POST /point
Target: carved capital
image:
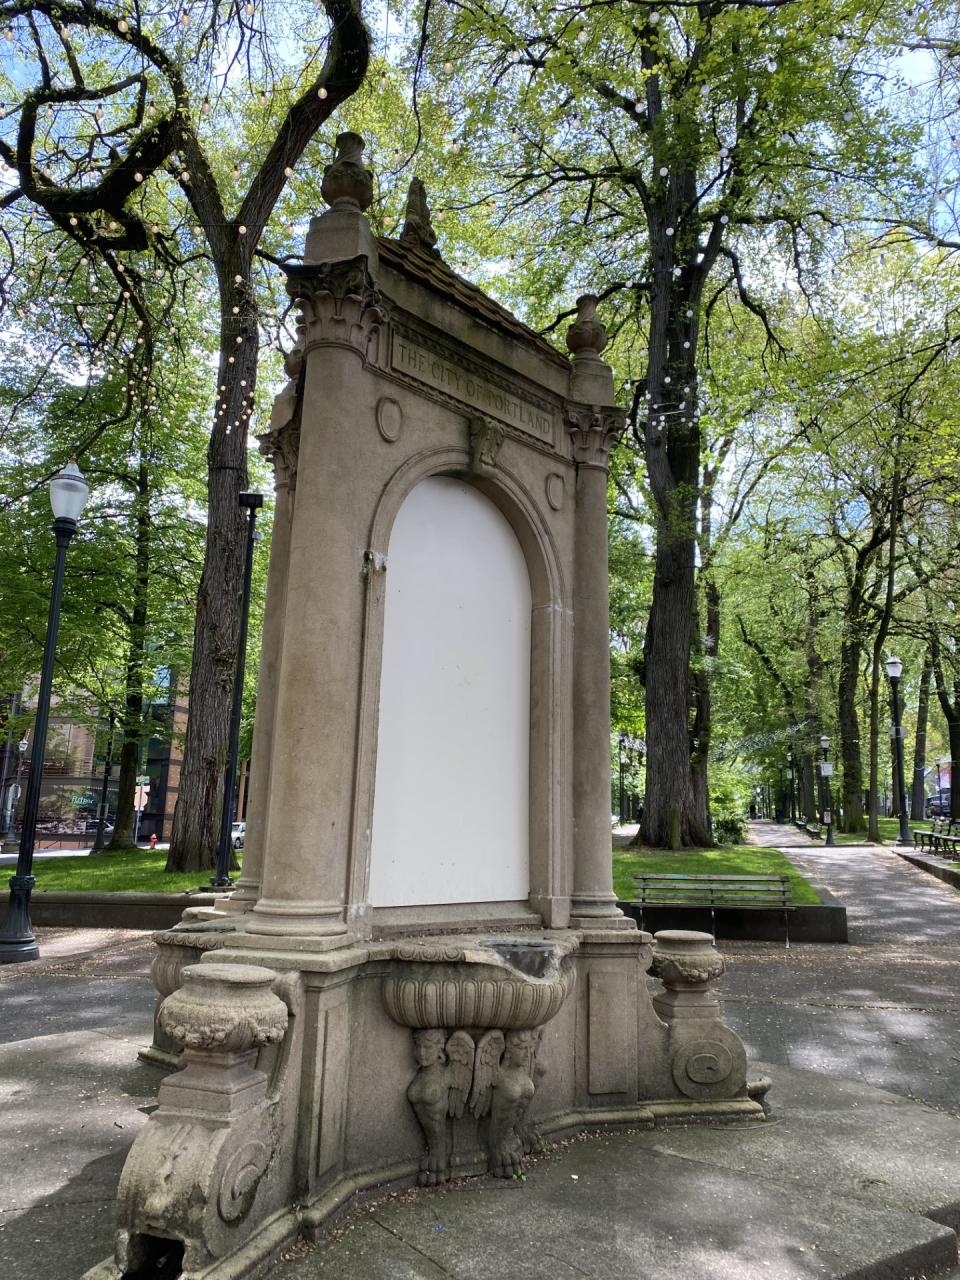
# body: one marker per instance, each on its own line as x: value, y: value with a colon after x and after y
x: 281, y: 445
x: 226, y: 1008
x: 486, y: 437
x: 339, y: 304
x: 594, y: 432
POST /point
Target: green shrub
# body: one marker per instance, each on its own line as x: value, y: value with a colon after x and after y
x: 729, y: 827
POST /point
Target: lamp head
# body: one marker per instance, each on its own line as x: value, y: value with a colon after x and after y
x: 825, y: 742
x: 894, y: 668
x: 68, y: 493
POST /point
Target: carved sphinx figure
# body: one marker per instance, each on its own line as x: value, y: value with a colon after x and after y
x: 503, y: 1085
x: 438, y: 1091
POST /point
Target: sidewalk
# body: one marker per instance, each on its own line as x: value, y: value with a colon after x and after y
x: 886, y: 1008
x: 883, y: 1012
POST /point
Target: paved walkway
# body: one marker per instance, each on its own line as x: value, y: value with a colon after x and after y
x: 884, y: 1010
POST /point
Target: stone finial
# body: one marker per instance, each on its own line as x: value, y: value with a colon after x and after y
x: 417, y: 226
x: 347, y: 185
x: 587, y: 336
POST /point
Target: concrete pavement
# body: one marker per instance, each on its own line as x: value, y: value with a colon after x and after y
x: 696, y: 1202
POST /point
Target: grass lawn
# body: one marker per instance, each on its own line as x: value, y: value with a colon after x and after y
x: 135, y: 871
x: 734, y: 860
x: 889, y: 830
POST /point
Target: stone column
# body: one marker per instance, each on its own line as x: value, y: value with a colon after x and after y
x: 282, y: 444
x: 312, y: 751
x: 595, y: 425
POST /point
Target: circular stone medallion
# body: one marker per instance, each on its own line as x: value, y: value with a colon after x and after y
x: 389, y: 418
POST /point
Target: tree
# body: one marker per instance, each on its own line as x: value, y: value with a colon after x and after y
x: 135, y: 564
x: 161, y: 142
x: 665, y: 145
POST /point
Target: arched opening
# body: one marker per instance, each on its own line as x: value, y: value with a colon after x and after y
x: 452, y: 793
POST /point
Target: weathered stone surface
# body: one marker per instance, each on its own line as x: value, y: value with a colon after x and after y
x: 610, y: 1209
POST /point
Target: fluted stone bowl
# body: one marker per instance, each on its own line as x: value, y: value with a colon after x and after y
x: 508, y: 983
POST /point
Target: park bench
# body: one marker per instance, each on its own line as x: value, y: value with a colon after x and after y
x: 942, y: 838
x: 813, y: 829
x: 749, y: 893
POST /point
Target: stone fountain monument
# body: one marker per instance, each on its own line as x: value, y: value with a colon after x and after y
x: 422, y: 972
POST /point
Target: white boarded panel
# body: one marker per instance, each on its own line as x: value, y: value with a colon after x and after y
x: 450, y: 814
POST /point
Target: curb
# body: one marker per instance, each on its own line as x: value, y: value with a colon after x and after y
x: 113, y: 910
x: 948, y: 872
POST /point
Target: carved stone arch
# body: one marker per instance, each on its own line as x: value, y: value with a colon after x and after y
x: 504, y: 489
x: 550, y: 673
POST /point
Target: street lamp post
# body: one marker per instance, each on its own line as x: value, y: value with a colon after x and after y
x: 68, y: 497
x: 621, y: 741
x: 895, y: 671
x: 252, y: 502
x: 98, y: 841
x: 826, y: 771
x: 793, y: 810
x: 13, y: 792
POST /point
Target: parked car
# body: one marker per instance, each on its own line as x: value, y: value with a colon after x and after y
x: 237, y: 832
x: 939, y: 805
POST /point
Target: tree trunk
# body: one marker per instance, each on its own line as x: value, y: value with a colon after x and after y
x: 808, y: 786
x: 848, y: 722
x: 193, y: 840
x: 703, y: 707
x: 812, y: 696
x: 918, y: 791
x: 879, y: 641
x: 873, y: 826
x: 666, y: 815
x: 131, y: 727
x: 671, y: 817
x: 950, y: 706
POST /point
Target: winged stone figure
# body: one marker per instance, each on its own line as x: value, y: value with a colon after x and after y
x: 439, y: 1090
x: 485, y: 1071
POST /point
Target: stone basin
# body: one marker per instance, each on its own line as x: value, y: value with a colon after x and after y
x: 480, y: 983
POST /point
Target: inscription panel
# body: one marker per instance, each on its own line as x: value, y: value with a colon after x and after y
x: 409, y: 357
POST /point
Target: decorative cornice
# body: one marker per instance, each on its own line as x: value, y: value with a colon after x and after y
x: 594, y: 432
x: 339, y: 303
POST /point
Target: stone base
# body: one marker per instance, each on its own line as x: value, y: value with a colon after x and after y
x: 422, y: 1057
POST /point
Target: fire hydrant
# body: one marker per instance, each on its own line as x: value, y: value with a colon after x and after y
x: 153, y: 841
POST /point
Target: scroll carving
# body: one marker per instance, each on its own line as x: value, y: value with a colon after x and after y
x: 197, y: 1171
